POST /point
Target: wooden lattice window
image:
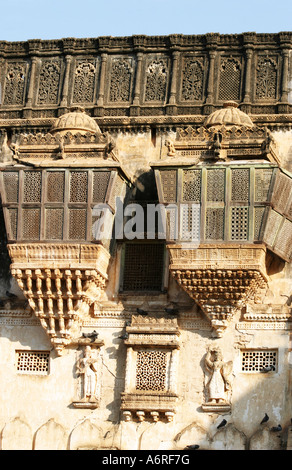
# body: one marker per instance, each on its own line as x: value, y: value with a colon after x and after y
x: 219, y: 203
x: 143, y: 267
x: 51, y: 205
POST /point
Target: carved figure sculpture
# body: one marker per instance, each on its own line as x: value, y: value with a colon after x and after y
x: 219, y: 381
x: 88, y: 367
x: 170, y: 148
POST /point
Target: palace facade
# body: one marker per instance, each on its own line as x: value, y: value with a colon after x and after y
x: 146, y: 243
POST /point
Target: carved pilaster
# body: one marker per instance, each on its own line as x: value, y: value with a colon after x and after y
x: 102, y: 79
x: 64, y: 101
x: 30, y: 94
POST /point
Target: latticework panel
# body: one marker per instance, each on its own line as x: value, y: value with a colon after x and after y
x: 263, y: 178
x: 192, y: 185
x: 55, y: 204
x: 100, y: 185
x: 190, y: 221
x: 11, y: 185
x: 54, y: 224
x: 151, y: 370
x: 32, y: 186
x: 78, y: 186
x: 192, y: 79
x: 15, y: 80
x: 272, y: 227
x: 259, y: 213
x: 31, y: 219
x: 143, y: 267
x: 84, y: 81
x: 259, y: 360
x: 13, y: 222
x: 32, y: 362
x: 55, y: 186
x: 168, y: 180
x: 282, y: 192
x: 229, y: 84
x: 214, y: 228
x: 266, y: 77
x: 239, y: 223
x: 77, y: 224
x: 216, y: 185
x: 240, y: 185
x: 283, y: 243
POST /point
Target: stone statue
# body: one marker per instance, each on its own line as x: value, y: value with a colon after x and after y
x: 219, y: 382
x: 88, y: 367
x: 170, y: 148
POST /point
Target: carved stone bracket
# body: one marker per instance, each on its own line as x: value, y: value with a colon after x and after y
x: 220, y: 279
x: 60, y: 283
x: 152, y: 355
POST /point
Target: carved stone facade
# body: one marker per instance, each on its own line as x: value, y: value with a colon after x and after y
x: 146, y: 234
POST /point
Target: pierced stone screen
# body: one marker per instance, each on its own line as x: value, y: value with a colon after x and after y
x: 259, y: 360
x: 151, y: 370
x: 32, y: 362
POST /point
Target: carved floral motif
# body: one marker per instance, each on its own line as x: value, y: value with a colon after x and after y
x: 156, y: 80
x: 266, y: 84
x: 192, y: 80
x: 84, y: 81
x: 14, y: 84
x: 49, y: 82
x: 120, y: 84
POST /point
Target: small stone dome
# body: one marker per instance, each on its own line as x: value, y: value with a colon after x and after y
x: 229, y: 115
x: 75, y: 121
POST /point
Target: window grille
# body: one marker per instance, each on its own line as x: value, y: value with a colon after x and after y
x: 230, y: 79
x: 192, y: 186
x: 214, y: 224
x: 259, y: 360
x: 168, y: 179
x: 32, y: 362
x: 11, y: 185
x: 151, y: 370
x: 143, y: 267
x: 239, y: 223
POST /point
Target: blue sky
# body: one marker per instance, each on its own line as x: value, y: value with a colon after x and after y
x: 55, y: 19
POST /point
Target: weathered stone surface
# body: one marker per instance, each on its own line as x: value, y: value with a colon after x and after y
x: 139, y: 342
